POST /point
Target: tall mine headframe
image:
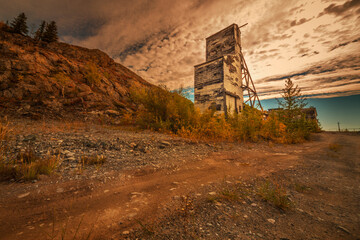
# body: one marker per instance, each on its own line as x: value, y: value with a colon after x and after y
x: 223, y: 81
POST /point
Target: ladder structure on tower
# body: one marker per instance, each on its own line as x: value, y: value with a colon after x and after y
x: 248, y: 85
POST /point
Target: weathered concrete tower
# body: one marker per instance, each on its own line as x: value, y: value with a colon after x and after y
x: 218, y: 81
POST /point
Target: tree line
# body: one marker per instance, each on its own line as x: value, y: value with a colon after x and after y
x: 162, y: 110
x: 47, y: 32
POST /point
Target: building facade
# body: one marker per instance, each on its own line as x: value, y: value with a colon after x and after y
x: 218, y: 81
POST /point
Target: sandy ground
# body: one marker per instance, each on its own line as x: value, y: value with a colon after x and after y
x: 116, y: 206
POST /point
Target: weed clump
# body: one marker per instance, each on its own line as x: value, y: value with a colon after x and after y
x: 230, y: 193
x: 29, y: 167
x: 274, y: 194
x: 334, y: 147
x: 26, y: 165
x: 92, y: 75
x: 93, y: 160
x: 301, y: 188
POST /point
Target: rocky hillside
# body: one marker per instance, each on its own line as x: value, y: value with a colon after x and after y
x: 57, y: 79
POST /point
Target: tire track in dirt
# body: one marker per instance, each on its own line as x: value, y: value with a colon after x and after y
x: 118, y: 205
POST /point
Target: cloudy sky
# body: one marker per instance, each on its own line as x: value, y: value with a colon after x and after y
x: 316, y: 42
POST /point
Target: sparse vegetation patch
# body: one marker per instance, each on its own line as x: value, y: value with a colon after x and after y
x: 29, y: 167
x: 335, y: 147
x: 92, y: 75
x: 231, y: 192
x: 25, y: 165
x: 275, y: 194
x: 93, y: 160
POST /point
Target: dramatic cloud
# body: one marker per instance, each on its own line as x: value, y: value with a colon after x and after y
x: 162, y: 40
x: 341, y: 9
x: 325, y: 78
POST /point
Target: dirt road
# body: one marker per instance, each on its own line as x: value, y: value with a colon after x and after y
x: 52, y: 209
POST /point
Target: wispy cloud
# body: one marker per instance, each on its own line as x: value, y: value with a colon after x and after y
x: 333, y: 77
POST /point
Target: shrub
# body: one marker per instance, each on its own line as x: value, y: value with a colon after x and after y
x: 247, y: 125
x: 162, y: 110
x: 231, y: 192
x: 273, y: 129
x: 92, y: 75
x: 274, y: 194
x: 63, y: 79
x: 166, y: 111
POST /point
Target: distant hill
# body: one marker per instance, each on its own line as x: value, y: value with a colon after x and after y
x: 57, y: 79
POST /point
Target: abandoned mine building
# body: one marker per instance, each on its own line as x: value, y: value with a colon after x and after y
x: 218, y: 82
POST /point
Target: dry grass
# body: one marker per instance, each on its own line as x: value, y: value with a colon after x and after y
x: 28, y: 166
x: 301, y: 188
x: 335, y: 147
x: 27, y: 156
x: 93, y: 160
x: 5, y: 132
x: 274, y: 194
x: 5, y: 169
x: 231, y: 192
x: 92, y: 75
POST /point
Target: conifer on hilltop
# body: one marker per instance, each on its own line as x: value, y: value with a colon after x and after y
x: 39, y: 34
x: 19, y: 24
x: 50, y: 34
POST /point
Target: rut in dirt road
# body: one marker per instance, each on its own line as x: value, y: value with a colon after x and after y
x: 141, y: 195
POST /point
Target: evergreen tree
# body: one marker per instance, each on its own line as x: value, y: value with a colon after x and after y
x: 292, y: 98
x: 50, y: 34
x: 39, y: 34
x: 19, y: 24
x: 293, y: 115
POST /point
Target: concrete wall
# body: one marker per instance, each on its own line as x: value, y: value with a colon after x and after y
x: 232, y: 83
x: 209, y: 86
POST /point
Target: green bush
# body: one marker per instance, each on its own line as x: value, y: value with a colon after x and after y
x: 163, y: 110
x: 247, y: 125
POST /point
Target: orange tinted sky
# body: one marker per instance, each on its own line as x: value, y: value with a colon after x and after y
x: 315, y: 42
